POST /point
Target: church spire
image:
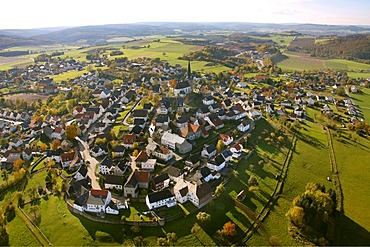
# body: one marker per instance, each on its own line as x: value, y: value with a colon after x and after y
x: 189, y: 70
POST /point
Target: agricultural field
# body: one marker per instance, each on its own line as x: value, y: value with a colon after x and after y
x: 304, y: 42
x: 310, y: 163
x: 29, y: 97
x: 301, y: 61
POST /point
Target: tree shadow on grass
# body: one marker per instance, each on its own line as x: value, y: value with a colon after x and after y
x: 352, y: 233
x: 115, y: 231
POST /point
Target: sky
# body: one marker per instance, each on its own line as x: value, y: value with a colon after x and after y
x: 19, y: 14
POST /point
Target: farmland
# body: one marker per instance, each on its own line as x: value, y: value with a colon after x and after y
x: 301, y: 61
x: 29, y: 97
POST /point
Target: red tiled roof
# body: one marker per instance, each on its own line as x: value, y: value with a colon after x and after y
x: 142, y: 176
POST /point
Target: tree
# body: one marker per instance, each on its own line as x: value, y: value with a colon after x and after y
x: 203, y: 217
x: 252, y: 180
x: 138, y: 240
x: 296, y: 216
x: 18, y: 164
x: 35, y: 214
x: 71, y: 132
x: 135, y: 229
x: 196, y: 228
x: 135, y: 145
x: 172, y: 83
x: 219, y: 189
x: 171, y: 237
x: 135, y: 153
x: 164, y: 54
x: 229, y: 230
x: 162, y: 242
x: 43, y: 146
x: 55, y: 144
x: 274, y: 240
x: 220, y: 145
x: 4, y: 237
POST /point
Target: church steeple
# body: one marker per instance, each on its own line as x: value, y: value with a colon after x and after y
x: 189, y: 70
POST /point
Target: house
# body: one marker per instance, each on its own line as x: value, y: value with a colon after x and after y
x: 310, y: 101
x: 237, y: 148
x: 70, y: 159
x: 81, y: 173
x: 199, y: 195
x: 182, y: 121
x: 244, y: 126
x: 176, y: 142
x: 140, y: 114
x: 206, y: 174
x: 209, y: 151
x: 191, y: 132
x: 112, y: 208
x: 193, y: 160
x: 182, y: 87
x: 57, y: 133
x: 226, y: 139
x: 202, y: 112
x: 118, y: 151
x: 112, y: 181
x: 149, y: 164
x: 217, y: 164
x: 209, y: 100
x: 160, y: 199
x: 99, y: 150
x: 286, y: 103
x: 27, y: 154
x: 128, y: 140
x: 215, y: 121
x: 142, y: 157
x: 54, y: 155
x: 160, y: 182
x: 353, y: 89
x: 105, y: 166
x: 137, y: 179
x: 255, y: 115
x: 227, y: 155
x: 129, y: 95
x: 162, y: 120
x: 97, y: 201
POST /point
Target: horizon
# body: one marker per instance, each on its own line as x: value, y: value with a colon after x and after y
x: 192, y: 22
x: 35, y: 14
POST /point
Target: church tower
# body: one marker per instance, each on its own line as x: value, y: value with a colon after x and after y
x: 189, y: 70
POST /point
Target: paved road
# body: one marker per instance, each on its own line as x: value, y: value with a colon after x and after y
x: 92, y: 162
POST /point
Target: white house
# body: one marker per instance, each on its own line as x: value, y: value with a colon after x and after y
x: 113, y: 181
x: 149, y: 164
x: 105, y: 166
x: 209, y: 100
x: 58, y: 133
x: 182, y: 87
x: 160, y: 199
x: 174, y: 142
x: 81, y: 173
x: 209, y: 151
x: 199, y: 195
x: 217, y: 164
x: 226, y: 139
x: 99, y: 151
x: 97, y: 201
x: 244, y: 126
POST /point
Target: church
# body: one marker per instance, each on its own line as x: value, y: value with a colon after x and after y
x: 183, y: 87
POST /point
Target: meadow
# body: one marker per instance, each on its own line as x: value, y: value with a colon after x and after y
x: 354, y: 174
x: 363, y: 101
x: 310, y: 163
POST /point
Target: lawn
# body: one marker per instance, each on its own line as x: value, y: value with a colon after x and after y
x: 310, y: 163
x: 71, y: 229
x: 69, y: 75
x: 19, y: 234
x: 354, y: 175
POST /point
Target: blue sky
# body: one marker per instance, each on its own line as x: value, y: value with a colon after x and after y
x: 48, y: 13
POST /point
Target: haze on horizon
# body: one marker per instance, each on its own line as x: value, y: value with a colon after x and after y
x: 24, y: 14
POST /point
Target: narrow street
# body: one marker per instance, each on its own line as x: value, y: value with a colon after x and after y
x: 90, y: 161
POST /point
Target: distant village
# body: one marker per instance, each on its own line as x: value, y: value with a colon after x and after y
x: 178, y: 132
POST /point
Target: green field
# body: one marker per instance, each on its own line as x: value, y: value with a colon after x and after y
x: 300, y: 61
x: 363, y: 101
x: 354, y: 174
x: 69, y: 75
x: 310, y: 163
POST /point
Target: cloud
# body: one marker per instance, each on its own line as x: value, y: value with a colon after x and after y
x: 286, y: 12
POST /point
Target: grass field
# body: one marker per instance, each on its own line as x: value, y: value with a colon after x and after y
x: 300, y: 61
x: 69, y: 75
x: 354, y: 174
x: 363, y: 101
x: 19, y: 234
x: 310, y: 163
